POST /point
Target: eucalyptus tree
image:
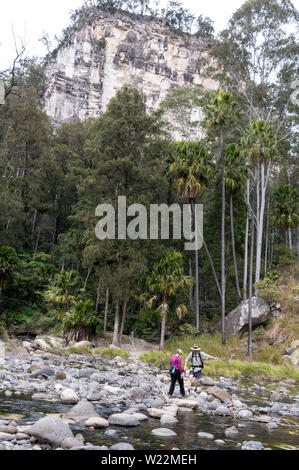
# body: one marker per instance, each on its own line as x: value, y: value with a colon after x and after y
x: 220, y: 114
x: 285, y: 211
x: 260, y: 146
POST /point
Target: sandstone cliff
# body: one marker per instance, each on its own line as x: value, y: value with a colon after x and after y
x: 115, y: 50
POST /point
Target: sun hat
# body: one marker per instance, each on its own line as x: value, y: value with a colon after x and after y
x: 195, y: 347
x: 179, y: 351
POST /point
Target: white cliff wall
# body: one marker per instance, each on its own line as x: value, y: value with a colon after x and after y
x: 117, y: 50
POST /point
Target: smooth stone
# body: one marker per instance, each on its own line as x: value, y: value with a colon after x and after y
x: 231, y: 432
x: 222, y: 410
x: 168, y: 419
x: 245, y: 414
x: 123, y: 419
x: 97, y: 422
x: 163, y: 432
x: 6, y: 437
x: 70, y: 442
x: 219, y: 393
x: 122, y: 446
x: 205, y: 435
x: 69, y: 396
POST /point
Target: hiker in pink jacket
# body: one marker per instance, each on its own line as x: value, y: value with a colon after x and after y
x: 176, y: 372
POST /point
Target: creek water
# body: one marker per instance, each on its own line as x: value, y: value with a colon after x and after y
x: 23, y: 410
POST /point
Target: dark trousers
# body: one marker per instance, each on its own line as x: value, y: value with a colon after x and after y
x: 177, y: 377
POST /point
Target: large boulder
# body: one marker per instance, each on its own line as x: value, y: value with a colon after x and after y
x: 81, y: 412
x: 219, y: 393
x: 236, y: 322
x: 50, y: 429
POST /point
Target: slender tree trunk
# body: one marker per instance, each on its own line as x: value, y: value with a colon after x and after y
x: 246, y: 242
x: 212, y: 267
x: 116, y: 325
x: 196, y: 270
x: 222, y: 238
x: 267, y: 239
x: 233, y: 246
x: 87, y: 277
x: 252, y: 231
x: 106, y: 310
x: 33, y: 223
x: 290, y: 238
x: 260, y: 221
x: 122, y: 327
x: 163, y: 324
x: 98, y: 297
x: 191, y: 288
x: 37, y: 241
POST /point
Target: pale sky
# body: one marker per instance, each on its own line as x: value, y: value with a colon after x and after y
x: 29, y: 19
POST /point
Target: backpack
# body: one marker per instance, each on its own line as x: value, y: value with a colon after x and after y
x: 172, y: 369
x: 201, y: 361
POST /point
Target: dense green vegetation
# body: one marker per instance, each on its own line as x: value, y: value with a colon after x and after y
x: 56, y: 275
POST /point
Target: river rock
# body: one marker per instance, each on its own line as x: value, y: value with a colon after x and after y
x: 60, y: 375
x: 86, y: 372
x: 205, y: 435
x: 207, y: 381
x: 222, y: 410
x: 123, y: 419
x: 81, y: 412
x: 186, y: 403
x: 50, y: 429
x: 113, y: 390
x: 294, y: 357
x: 39, y: 343
x: 70, y: 442
x: 231, y: 432
x: 167, y: 419
x: 69, y: 396
x: 156, y: 412
x: 93, y: 395
x: 163, y: 432
x: 275, y: 396
x: 140, y: 416
x: 219, y: 393
x: 122, y: 446
x: 252, y: 445
x: 245, y: 414
x: 236, y: 322
x: 6, y: 436
x: 137, y: 393
x: 97, y: 422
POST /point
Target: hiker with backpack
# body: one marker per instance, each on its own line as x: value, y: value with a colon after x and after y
x: 196, y: 357
x: 176, y: 373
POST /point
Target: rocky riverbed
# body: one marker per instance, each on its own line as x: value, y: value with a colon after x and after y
x: 77, y: 402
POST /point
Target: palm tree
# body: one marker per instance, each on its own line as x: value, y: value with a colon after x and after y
x: 165, y: 280
x: 236, y: 173
x: 79, y: 321
x: 220, y: 112
x: 259, y: 145
x: 59, y: 292
x: 286, y: 216
x: 190, y: 169
x: 9, y: 263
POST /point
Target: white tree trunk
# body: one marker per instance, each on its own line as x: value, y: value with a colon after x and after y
x: 246, y: 243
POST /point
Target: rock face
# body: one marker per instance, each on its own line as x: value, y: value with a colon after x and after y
x: 236, y: 322
x: 114, y: 50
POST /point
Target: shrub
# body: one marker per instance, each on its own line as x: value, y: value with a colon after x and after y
x: 268, y: 289
x: 108, y: 352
